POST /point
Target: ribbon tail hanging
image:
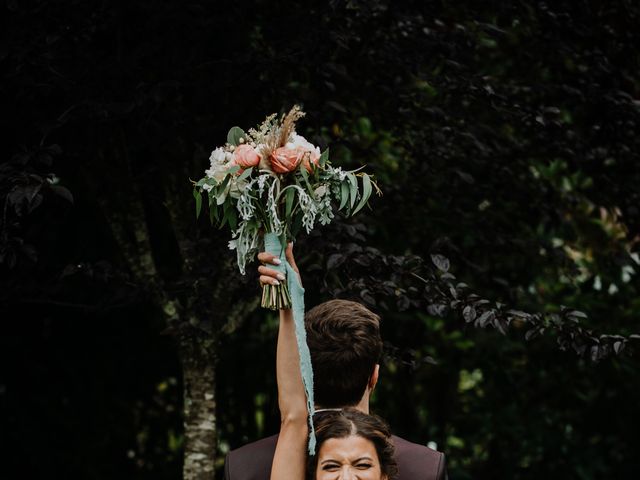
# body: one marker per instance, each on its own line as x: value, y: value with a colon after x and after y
x: 274, y: 246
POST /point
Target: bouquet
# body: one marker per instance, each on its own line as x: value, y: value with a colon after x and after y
x: 269, y: 183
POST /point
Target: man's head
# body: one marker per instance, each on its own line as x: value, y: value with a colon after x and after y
x: 345, y: 345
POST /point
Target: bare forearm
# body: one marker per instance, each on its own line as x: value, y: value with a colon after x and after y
x: 289, y: 458
x: 291, y: 394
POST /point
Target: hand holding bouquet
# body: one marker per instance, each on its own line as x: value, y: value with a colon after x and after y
x: 269, y: 183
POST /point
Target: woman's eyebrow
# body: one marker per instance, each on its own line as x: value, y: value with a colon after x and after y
x: 331, y: 460
x: 363, y: 458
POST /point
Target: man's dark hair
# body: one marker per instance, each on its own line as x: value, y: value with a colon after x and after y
x: 345, y: 345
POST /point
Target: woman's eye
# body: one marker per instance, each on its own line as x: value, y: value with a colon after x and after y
x: 363, y: 466
x: 330, y: 467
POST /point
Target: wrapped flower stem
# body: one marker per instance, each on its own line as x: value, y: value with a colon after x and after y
x: 276, y: 297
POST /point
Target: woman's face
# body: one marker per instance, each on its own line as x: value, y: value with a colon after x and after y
x: 348, y: 458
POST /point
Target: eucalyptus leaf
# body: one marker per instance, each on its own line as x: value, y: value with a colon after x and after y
x: 353, y: 187
x: 198, y: 196
x: 233, y: 170
x: 213, y: 214
x: 234, y: 136
x: 223, y: 190
x: 233, y: 218
x: 221, y: 197
x: 366, y: 193
x: 291, y: 194
x: 305, y: 176
x: 245, y: 174
x: 344, y: 194
x: 226, y: 180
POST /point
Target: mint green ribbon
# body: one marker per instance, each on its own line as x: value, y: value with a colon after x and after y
x: 276, y: 246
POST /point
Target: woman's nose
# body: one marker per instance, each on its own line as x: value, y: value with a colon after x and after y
x: 347, y: 473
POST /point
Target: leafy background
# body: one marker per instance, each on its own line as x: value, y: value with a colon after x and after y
x: 504, y: 136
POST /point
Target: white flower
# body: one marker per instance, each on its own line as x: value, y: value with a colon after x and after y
x: 299, y: 141
x: 217, y: 174
x: 207, y: 188
x: 220, y: 161
x: 337, y: 172
x: 218, y: 157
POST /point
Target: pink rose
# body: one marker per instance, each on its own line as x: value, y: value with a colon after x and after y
x: 285, y: 159
x: 245, y: 156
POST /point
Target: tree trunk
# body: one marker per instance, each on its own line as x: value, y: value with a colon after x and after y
x: 211, y: 309
x: 198, y: 367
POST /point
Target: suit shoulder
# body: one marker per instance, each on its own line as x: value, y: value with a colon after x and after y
x: 259, y: 446
x: 407, y: 446
x: 251, y: 461
x: 417, y: 461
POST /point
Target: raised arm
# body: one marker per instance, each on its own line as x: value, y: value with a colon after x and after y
x: 290, y: 456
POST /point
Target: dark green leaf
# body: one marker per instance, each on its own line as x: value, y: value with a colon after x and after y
x: 198, y: 196
x: 469, y: 314
x: 441, y: 262
x: 62, y: 192
x: 353, y: 189
x: 324, y: 158
x: 233, y: 218
x: 618, y: 347
x: 485, y: 318
x: 305, y: 176
x: 335, y: 260
x: 344, y: 194
x: 291, y: 195
x: 230, y: 215
x: 534, y: 332
x: 296, y: 224
x: 213, y: 214
x: 576, y: 314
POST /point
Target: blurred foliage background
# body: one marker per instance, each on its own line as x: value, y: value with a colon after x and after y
x: 503, y: 134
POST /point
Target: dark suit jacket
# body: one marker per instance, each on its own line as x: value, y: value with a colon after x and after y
x: 253, y: 461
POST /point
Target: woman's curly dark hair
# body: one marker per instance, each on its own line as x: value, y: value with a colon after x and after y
x: 349, y: 421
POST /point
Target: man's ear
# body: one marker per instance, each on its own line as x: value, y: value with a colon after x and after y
x: 373, y: 379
